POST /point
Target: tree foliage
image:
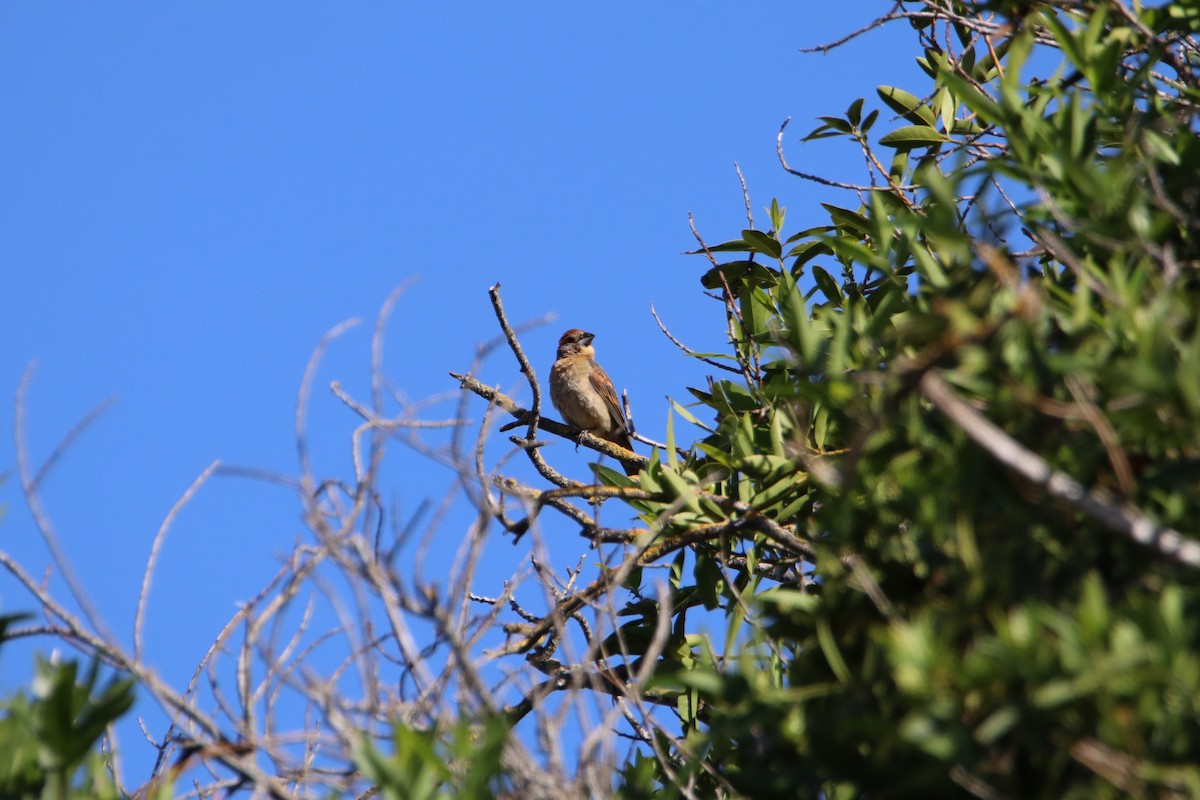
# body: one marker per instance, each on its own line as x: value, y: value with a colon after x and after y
x: 935, y: 536
x: 48, y: 738
x: 975, y: 395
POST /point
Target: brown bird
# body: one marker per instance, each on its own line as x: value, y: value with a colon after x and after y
x: 584, y: 394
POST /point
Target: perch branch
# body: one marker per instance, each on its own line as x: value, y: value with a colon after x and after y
x: 524, y: 415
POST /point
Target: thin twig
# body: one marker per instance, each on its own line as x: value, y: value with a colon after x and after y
x: 1083, y: 393
x: 302, y: 397
x: 875, y: 23
x: 526, y: 368
x: 825, y: 181
x: 84, y: 423
x: 683, y: 347
x: 745, y: 196
x: 30, y: 479
x: 155, y: 547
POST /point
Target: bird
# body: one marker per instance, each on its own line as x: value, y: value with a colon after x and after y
x: 583, y: 393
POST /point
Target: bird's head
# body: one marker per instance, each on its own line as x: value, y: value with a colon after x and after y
x: 576, y: 342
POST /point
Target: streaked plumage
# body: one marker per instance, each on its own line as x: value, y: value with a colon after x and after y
x: 583, y: 393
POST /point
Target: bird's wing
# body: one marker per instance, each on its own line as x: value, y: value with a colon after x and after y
x: 604, y: 387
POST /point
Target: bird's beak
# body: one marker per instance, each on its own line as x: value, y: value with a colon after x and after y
x: 587, y: 338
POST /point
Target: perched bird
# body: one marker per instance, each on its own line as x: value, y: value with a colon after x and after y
x: 584, y: 395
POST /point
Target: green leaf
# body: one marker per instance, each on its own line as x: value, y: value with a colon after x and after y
x: 672, y: 453
x: 899, y: 166
x: 854, y: 112
x: 808, y: 233
x: 975, y: 99
x: 907, y: 105
x: 869, y: 121
x: 686, y: 414
x: 806, y: 251
x: 732, y: 246
x: 912, y: 136
x: 844, y: 218
x: 762, y: 243
x: 997, y: 724
x: 833, y: 126
x: 777, y: 214
x: 966, y: 127
x: 736, y: 273
x: 828, y: 286
x: 833, y: 654
x: 929, y: 268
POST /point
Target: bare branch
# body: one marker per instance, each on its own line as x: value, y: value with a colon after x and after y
x: 711, y: 362
x: 524, y: 415
x: 159, y: 538
x: 526, y: 368
x: 30, y: 480
x: 1123, y: 519
x: 872, y: 25
x: 310, y: 372
x: 825, y: 181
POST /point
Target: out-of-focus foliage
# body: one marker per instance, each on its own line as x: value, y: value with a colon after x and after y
x: 463, y: 763
x: 1027, y: 244
x: 49, y: 739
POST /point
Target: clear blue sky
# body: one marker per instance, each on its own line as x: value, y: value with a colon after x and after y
x: 192, y: 194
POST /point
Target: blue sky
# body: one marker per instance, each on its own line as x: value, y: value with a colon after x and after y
x: 192, y: 194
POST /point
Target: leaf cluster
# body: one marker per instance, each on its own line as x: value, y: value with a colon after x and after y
x: 49, y: 739
x: 950, y: 626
